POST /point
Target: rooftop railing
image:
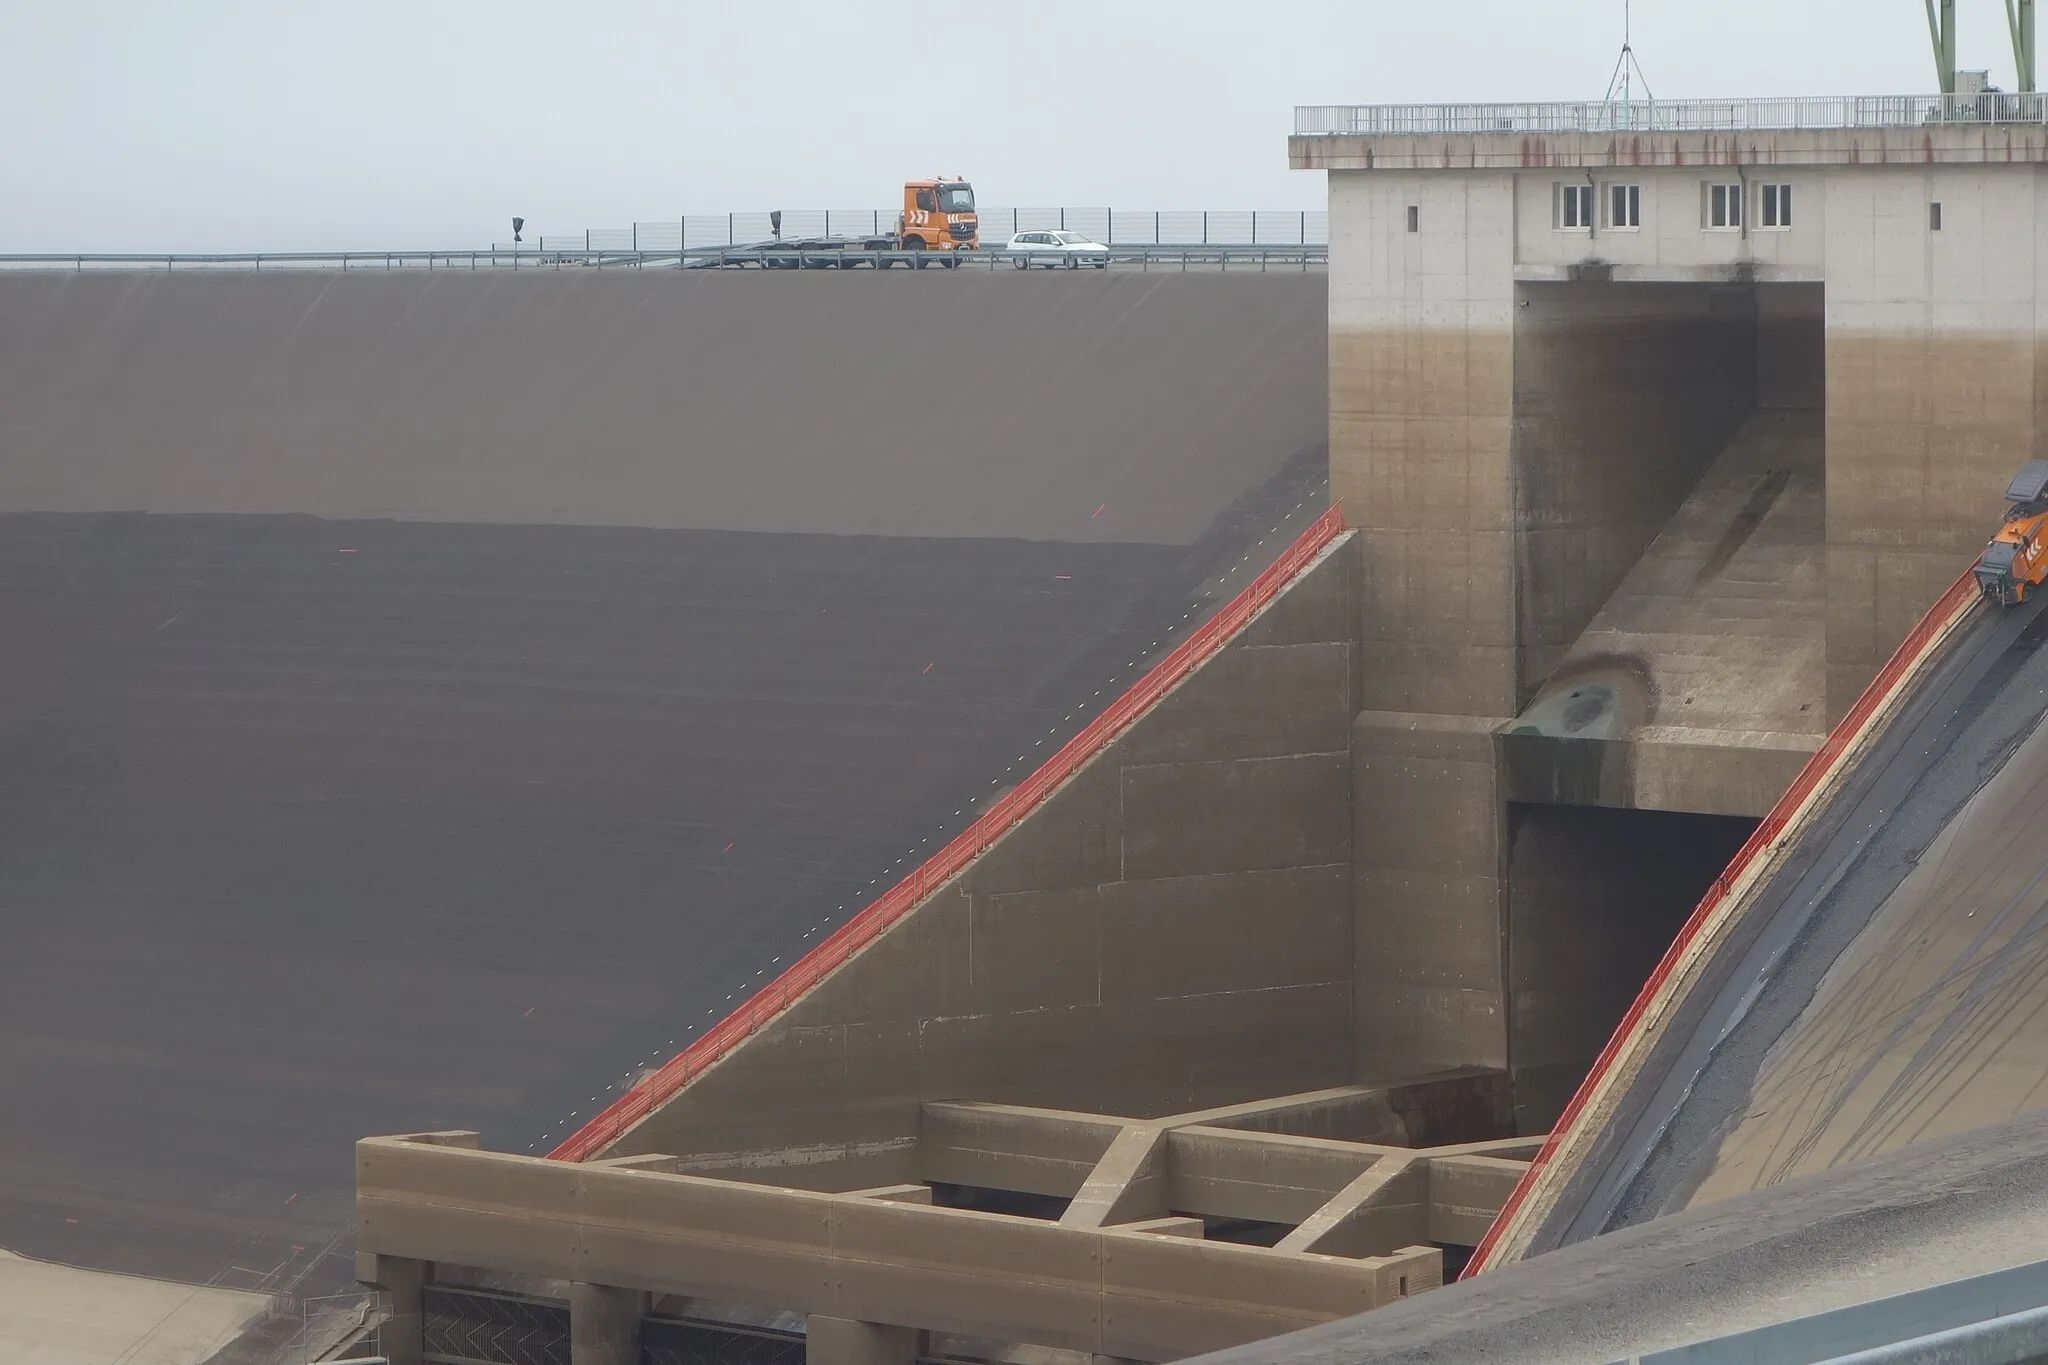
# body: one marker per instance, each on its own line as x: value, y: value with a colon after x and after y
x: 1672, y: 116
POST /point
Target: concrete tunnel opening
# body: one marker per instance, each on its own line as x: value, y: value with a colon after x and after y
x: 1595, y: 898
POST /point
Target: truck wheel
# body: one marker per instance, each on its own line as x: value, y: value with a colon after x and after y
x: 915, y: 245
x: 951, y: 260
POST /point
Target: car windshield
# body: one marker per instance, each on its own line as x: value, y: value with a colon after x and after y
x: 956, y: 198
x: 1999, y: 555
x: 1072, y: 239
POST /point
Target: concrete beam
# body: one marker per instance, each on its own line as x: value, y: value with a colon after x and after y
x: 1012, y: 1147
x: 1510, y: 1149
x: 1466, y: 1194
x: 1271, y: 1177
x: 1166, y: 1227
x: 1128, y: 1183
x: 1385, y: 1208
x: 1354, y: 1113
x: 646, y: 1161
x: 897, y: 1194
x: 862, y: 1260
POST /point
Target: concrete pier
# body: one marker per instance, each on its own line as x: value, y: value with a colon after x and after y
x: 1657, y: 444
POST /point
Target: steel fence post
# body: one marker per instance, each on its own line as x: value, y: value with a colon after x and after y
x: 1205, y: 227
x: 1111, y: 234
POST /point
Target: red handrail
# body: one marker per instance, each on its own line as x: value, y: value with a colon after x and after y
x: 1766, y: 833
x: 868, y: 923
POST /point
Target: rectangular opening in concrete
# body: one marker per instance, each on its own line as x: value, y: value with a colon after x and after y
x: 1595, y: 897
x: 1624, y: 395
x: 1670, y: 454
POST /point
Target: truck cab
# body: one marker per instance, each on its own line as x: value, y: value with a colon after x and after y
x: 938, y: 215
x: 2015, y: 563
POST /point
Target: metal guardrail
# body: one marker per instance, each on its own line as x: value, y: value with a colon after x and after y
x: 1673, y: 116
x: 1112, y: 226
x: 1165, y: 257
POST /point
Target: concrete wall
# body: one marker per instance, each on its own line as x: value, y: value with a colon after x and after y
x: 1421, y: 411
x: 1932, y: 356
x: 1171, y: 930
x: 972, y: 403
x: 1518, y: 410
x: 1934, y: 388
x: 1673, y: 234
x: 1509, y: 448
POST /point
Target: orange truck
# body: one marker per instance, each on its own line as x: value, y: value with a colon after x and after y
x: 938, y: 215
x: 937, y: 223
x: 2016, y: 560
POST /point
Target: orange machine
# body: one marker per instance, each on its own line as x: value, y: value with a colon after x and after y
x: 2016, y: 560
x: 938, y: 215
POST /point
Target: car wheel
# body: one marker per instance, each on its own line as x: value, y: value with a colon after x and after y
x: 1073, y: 262
x: 1021, y: 263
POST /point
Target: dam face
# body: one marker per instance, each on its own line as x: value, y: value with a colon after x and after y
x: 431, y: 701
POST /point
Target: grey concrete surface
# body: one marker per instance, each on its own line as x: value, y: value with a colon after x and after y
x: 313, y: 826
x: 1962, y: 1206
x: 1171, y: 930
x: 834, y: 403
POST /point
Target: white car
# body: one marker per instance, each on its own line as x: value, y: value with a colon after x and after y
x: 1056, y: 248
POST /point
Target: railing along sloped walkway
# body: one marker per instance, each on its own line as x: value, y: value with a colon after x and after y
x: 1735, y: 880
x: 899, y: 900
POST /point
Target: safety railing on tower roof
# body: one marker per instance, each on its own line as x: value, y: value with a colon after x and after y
x: 1788, y: 113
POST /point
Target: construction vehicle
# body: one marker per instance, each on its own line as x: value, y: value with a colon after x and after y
x: 938, y: 218
x: 2016, y: 560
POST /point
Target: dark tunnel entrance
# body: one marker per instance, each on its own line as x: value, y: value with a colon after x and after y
x: 1596, y: 896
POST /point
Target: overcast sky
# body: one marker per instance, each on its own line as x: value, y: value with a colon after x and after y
x: 280, y: 124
